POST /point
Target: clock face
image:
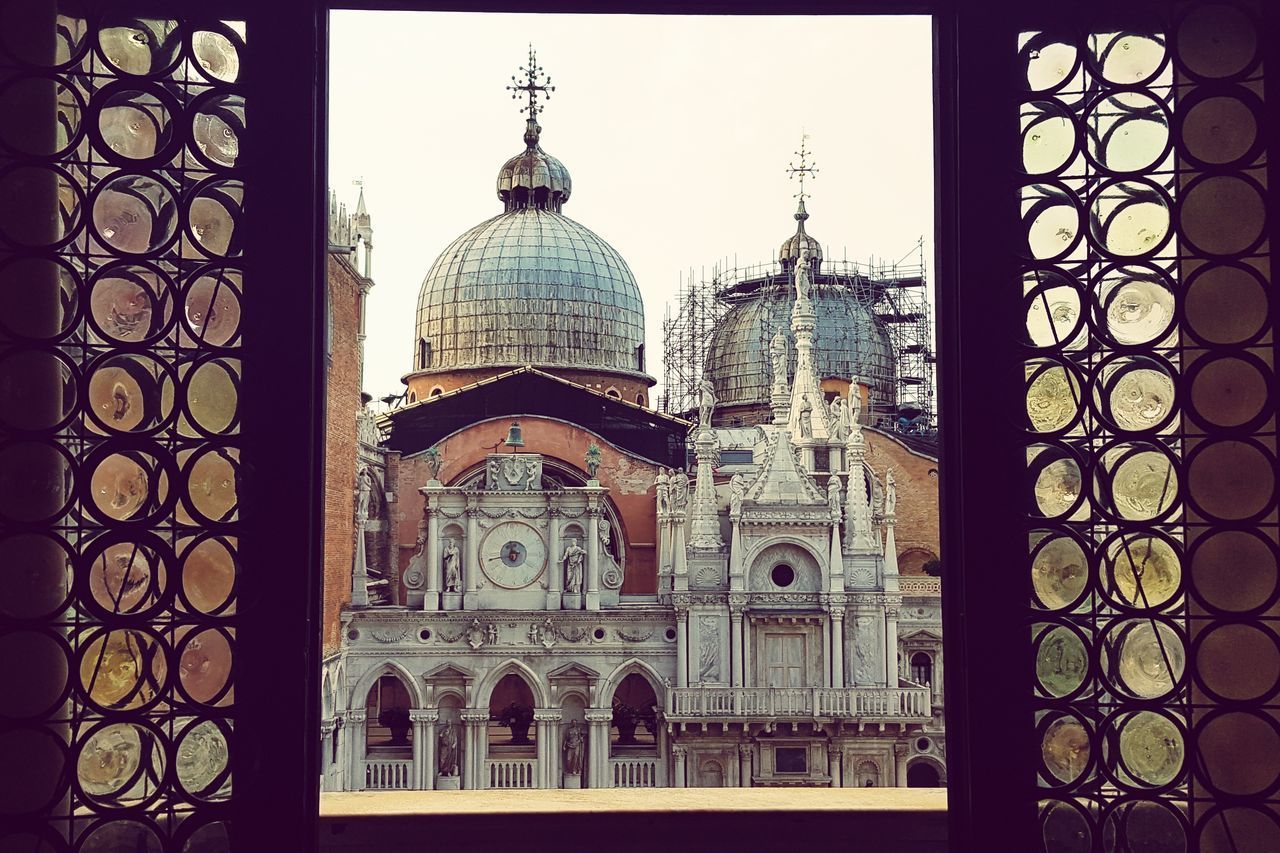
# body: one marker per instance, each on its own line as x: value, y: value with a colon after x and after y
x: 513, y: 555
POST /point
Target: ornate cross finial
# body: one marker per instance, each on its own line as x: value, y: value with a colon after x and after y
x: 804, y: 170
x: 531, y: 86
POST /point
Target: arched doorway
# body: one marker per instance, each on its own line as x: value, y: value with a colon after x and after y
x: 511, y: 736
x: 921, y: 668
x: 710, y: 774
x: 922, y: 774
x: 633, y: 734
x: 388, y: 731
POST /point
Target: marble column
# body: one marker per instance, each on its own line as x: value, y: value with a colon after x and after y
x: 548, y: 720
x: 471, y: 559
x: 744, y: 765
x: 431, y: 598
x: 474, y: 722
x: 423, y: 749
x: 555, y: 568
x: 826, y: 652
x: 737, y: 578
x: 682, y: 648
x: 598, y: 720
x: 735, y: 642
x: 679, y: 558
x: 593, y: 559
x: 355, y: 749
x: 833, y: 765
x: 837, y: 644
x: 678, y: 753
x: 891, y: 646
x: 900, y: 765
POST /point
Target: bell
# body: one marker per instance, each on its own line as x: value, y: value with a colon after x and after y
x: 513, y: 435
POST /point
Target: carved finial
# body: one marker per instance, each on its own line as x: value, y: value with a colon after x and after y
x: 804, y: 170
x: 530, y: 86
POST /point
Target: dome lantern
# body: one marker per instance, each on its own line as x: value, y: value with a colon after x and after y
x: 533, y: 178
x: 795, y: 245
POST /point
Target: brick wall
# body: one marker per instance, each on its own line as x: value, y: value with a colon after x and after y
x: 343, y: 401
x: 917, y: 528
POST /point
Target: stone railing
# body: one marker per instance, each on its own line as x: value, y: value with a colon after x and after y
x: 636, y: 772
x: 388, y: 774
x: 511, y: 773
x: 846, y: 702
x: 920, y: 586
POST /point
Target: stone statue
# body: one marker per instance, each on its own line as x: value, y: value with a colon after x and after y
x: 806, y: 417
x: 706, y: 403
x: 573, y: 743
x: 452, y: 575
x: 802, y: 276
x: 573, y: 560
x: 890, y: 494
x: 491, y: 634
x: 855, y: 401
x: 434, y: 461
x: 679, y: 491
x: 531, y: 479
x: 662, y: 484
x: 592, y: 460
x: 778, y: 349
x: 447, y: 750
x: 737, y: 491
x: 833, y: 497
x: 839, y: 415
x: 494, y: 482
x: 364, y: 490
x: 475, y: 634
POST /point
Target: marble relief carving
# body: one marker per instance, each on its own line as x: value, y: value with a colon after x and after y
x: 708, y: 649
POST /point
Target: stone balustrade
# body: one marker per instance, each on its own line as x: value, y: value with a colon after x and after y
x: 388, y: 774
x: 636, y: 772
x: 511, y: 773
x: 846, y: 702
x: 919, y: 586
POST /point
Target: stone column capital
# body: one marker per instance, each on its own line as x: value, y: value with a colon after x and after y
x: 424, y: 715
x: 474, y: 715
x: 599, y: 715
x: 678, y: 751
x: 745, y: 750
x: 548, y: 715
x: 834, y: 752
x: 356, y: 716
x: 900, y: 750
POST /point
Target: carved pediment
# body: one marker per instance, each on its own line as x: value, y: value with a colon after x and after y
x: 449, y: 672
x: 573, y: 672
x: 921, y: 634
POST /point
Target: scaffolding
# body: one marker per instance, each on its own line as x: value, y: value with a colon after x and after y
x: 891, y: 295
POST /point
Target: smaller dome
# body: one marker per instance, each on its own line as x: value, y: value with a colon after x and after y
x: 533, y: 178
x: 798, y: 242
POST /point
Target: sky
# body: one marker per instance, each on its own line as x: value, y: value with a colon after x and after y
x: 676, y: 130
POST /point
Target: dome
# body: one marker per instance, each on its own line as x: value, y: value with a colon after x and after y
x: 531, y: 286
x: 798, y: 242
x: 533, y: 176
x: 848, y: 341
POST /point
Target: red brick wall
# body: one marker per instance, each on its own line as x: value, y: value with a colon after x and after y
x: 343, y: 401
x: 917, y: 527
x: 629, y: 480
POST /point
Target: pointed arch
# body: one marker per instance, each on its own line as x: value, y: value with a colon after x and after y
x: 484, y: 690
x: 358, y: 693
x: 632, y: 666
x: 326, y: 698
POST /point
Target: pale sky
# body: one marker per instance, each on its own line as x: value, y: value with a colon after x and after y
x: 676, y: 130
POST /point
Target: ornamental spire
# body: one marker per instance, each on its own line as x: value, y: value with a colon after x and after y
x: 530, y: 87
x: 802, y: 171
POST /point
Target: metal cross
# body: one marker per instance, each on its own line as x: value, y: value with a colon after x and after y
x: 530, y: 86
x: 804, y: 170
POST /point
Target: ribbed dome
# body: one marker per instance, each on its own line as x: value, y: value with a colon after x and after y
x: 848, y: 341
x: 533, y: 177
x: 798, y: 242
x: 531, y: 286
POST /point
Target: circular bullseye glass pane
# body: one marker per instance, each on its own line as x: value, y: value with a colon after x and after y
x: 212, y: 307
x: 1065, y: 749
x: 202, y: 759
x: 213, y: 215
x: 1143, y: 825
x: 204, y: 666
x: 213, y: 484
x: 1152, y: 749
x: 1053, y: 309
x: 1136, y: 305
x: 212, y: 395
x: 217, y: 128
x: 1050, y: 61
x: 1223, y: 214
x: 1137, y: 481
x: 37, y: 569
x: 135, y: 214
x: 1058, y: 483
x: 122, y: 669
x: 1238, y: 662
x: 120, y: 764
x: 1127, y: 132
x: 1229, y: 392
x: 1226, y: 304
x: 1217, y: 40
x: 1127, y: 58
x: 18, y: 94
x: 140, y: 46
x: 49, y: 224
x: 1239, y: 753
x: 1129, y: 218
x: 130, y: 303
x: 1059, y: 570
x: 1053, y: 396
x: 209, y: 575
x: 124, y: 394
x: 1143, y: 570
x: 126, y: 577
x: 1062, y: 662
x: 1048, y: 137
x: 1220, y: 130
x: 1235, y: 571
x: 39, y: 298
x: 1051, y: 221
x: 1134, y: 394
x: 135, y: 123
x: 1147, y: 657
x: 216, y: 55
